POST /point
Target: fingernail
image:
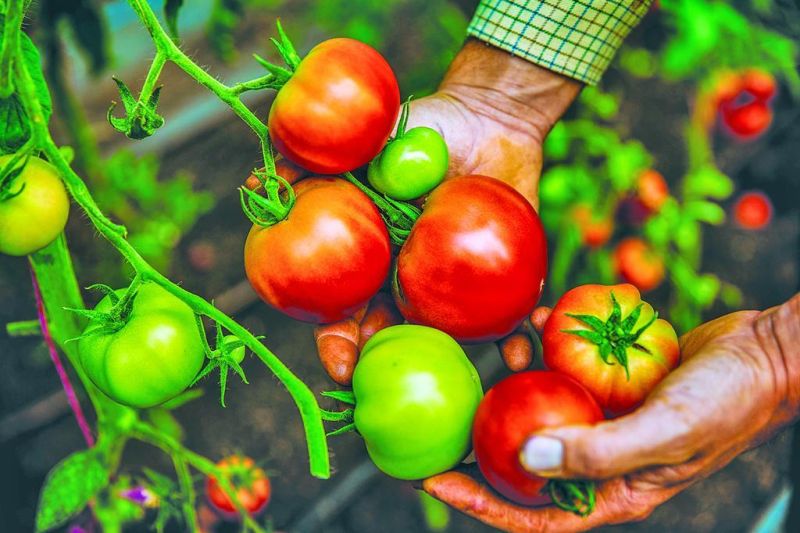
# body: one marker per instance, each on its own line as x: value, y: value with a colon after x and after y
x: 542, y: 454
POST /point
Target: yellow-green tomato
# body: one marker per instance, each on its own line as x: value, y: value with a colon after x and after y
x: 152, y: 358
x: 410, y: 165
x: 33, y: 218
x: 416, y: 393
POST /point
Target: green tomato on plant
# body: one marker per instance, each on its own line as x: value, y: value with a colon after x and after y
x: 33, y: 207
x: 151, y: 356
x: 416, y: 394
x: 412, y: 164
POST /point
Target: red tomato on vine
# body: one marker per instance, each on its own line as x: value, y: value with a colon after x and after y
x: 638, y: 264
x: 327, y: 259
x: 753, y: 210
x: 652, y: 190
x: 249, y: 481
x: 337, y: 110
x: 475, y: 261
x: 595, y: 230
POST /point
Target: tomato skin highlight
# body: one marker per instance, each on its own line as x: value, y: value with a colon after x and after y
x: 34, y: 218
x: 337, y: 110
x: 636, y: 263
x: 410, y: 166
x: 416, y: 394
x: 475, y: 261
x: 511, y: 412
x: 153, y: 358
x: 580, y: 358
x: 250, y: 482
x: 753, y: 210
x: 326, y: 259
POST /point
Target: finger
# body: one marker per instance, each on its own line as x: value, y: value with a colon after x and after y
x: 337, y: 346
x: 700, y: 336
x: 539, y: 317
x: 381, y: 314
x: 517, y: 351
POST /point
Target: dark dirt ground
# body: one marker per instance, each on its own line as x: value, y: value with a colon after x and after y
x: 262, y: 421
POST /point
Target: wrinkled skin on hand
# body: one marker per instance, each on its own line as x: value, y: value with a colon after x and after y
x: 739, y: 384
x: 494, y: 111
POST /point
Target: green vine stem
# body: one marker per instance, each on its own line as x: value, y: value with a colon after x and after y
x: 115, y: 234
x: 9, y: 46
x: 187, y: 488
x: 150, y: 435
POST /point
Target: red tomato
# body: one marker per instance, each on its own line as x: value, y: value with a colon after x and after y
x: 753, y: 210
x: 595, y: 231
x: 728, y: 86
x: 475, y: 261
x: 759, y: 83
x: 337, y: 110
x: 249, y: 481
x: 747, y: 120
x: 511, y: 412
x: 612, y: 342
x: 326, y: 259
x: 638, y: 264
x: 652, y: 189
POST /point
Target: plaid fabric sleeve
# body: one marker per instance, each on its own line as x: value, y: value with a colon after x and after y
x: 577, y: 38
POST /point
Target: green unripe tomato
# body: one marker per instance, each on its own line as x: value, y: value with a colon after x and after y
x: 33, y: 219
x: 416, y: 393
x: 410, y: 165
x: 152, y: 358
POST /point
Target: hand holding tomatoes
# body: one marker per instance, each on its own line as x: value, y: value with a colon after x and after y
x: 734, y: 390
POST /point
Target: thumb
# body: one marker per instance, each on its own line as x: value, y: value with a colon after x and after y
x: 656, y: 434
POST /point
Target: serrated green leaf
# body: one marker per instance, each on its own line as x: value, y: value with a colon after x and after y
x: 14, y: 125
x: 33, y: 64
x: 69, y: 486
x: 89, y: 28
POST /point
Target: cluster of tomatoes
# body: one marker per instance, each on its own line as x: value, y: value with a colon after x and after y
x: 743, y: 100
x: 470, y: 270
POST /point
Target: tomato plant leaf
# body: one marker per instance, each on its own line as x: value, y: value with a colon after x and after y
x: 69, y: 486
x: 171, y: 8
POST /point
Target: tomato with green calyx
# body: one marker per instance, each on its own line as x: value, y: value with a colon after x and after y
x: 415, y: 393
x: 250, y: 484
x: 326, y: 259
x: 512, y: 411
x: 34, y: 206
x: 474, y: 263
x: 144, y: 350
x: 337, y: 110
x: 412, y: 164
x: 612, y: 342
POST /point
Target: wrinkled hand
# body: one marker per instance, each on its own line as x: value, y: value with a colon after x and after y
x: 738, y: 385
x: 494, y: 111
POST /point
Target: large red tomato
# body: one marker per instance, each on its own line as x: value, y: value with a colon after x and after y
x: 612, y: 342
x: 337, y: 110
x: 326, y: 259
x: 475, y: 261
x: 511, y: 412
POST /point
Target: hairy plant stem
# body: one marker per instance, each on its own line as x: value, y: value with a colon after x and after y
x: 115, y: 234
x: 9, y: 46
x: 150, y: 435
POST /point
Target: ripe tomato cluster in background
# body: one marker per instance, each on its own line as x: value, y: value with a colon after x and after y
x: 743, y: 100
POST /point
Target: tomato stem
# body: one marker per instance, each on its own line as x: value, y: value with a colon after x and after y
x: 403, y: 122
x: 576, y: 496
x: 399, y: 217
x: 267, y: 211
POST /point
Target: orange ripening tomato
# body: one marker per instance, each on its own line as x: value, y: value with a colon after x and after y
x: 337, y: 110
x: 595, y: 231
x: 638, y: 264
x: 250, y: 483
x: 327, y: 259
x: 652, y: 189
x: 611, y: 342
x: 759, y: 83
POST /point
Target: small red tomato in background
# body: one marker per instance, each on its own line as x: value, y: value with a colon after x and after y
x: 611, y: 342
x: 249, y: 481
x: 652, y: 190
x: 511, y: 412
x: 747, y: 120
x: 759, y: 83
x: 727, y: 86
x: 638, y: 264
x: 475, y: 261
x: 337, y: 110
x: 753, y: 210
x: 595, y: 231
x: 326, y: 259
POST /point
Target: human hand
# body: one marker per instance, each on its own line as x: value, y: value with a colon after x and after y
x: 738, y: 385
x: 494, y: 111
